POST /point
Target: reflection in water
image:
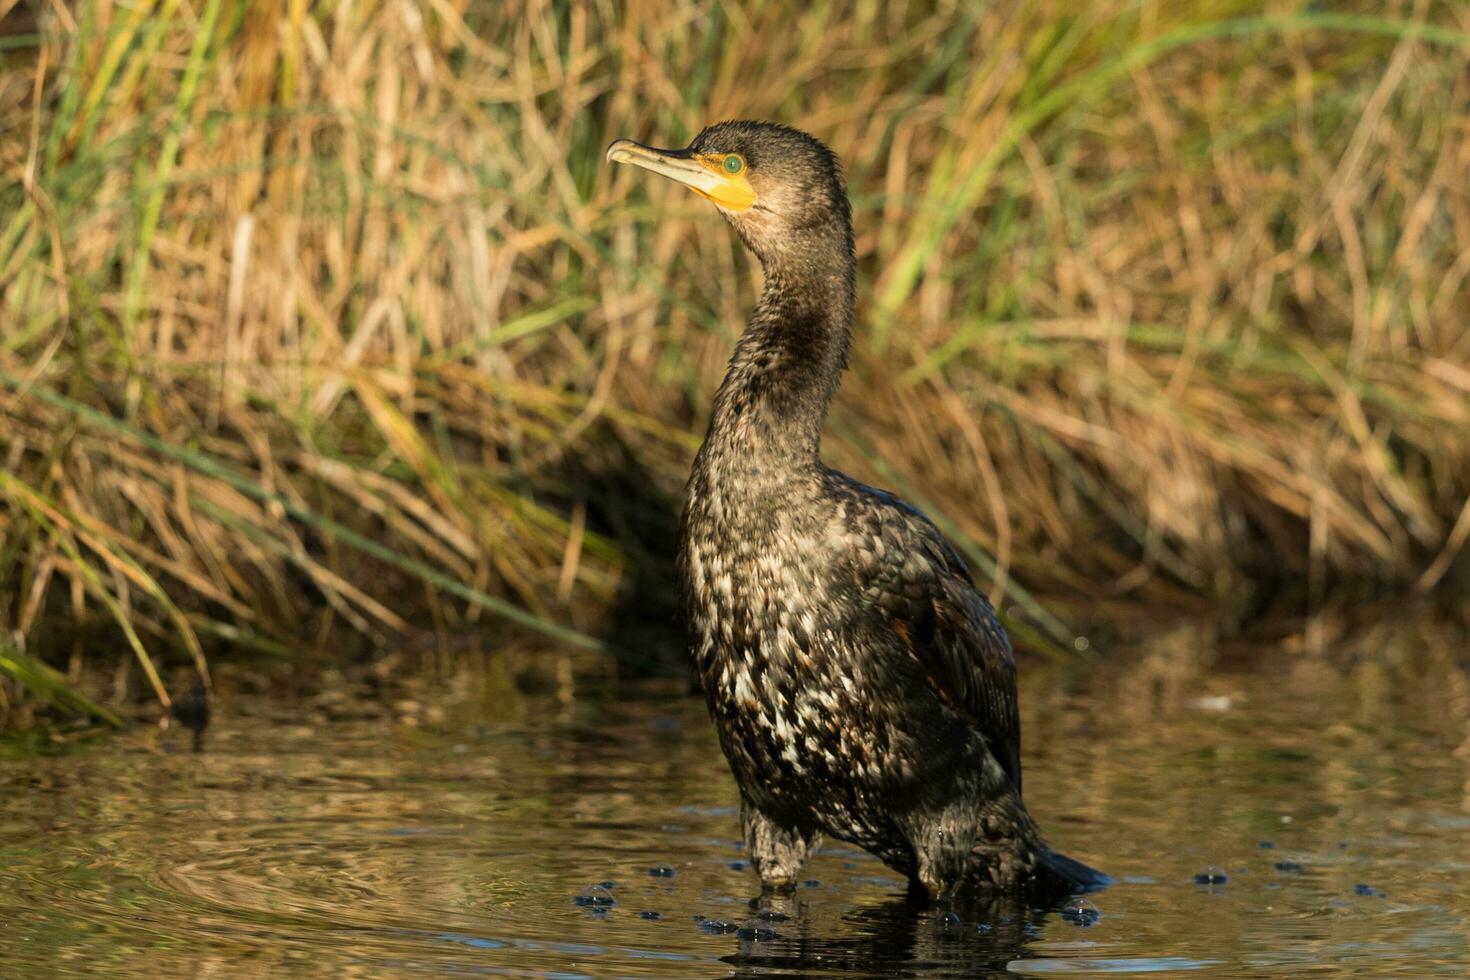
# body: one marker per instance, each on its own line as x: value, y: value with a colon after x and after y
x: 891, y: 938
x: 1330, y: 790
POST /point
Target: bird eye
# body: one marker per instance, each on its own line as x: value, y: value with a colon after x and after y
x: 734, y: 163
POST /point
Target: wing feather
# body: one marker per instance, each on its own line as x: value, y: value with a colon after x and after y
x: 970, y: 663
x: 951, y: 629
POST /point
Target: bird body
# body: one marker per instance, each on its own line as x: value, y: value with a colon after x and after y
x: 799, y: 635
x: 860, y: 685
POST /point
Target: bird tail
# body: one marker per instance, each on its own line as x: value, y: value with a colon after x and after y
x: 1072, y: 875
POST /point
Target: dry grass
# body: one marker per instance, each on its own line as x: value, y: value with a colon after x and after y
x: 327, y: 321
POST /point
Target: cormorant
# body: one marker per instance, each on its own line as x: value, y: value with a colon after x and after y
x: 860, y: 684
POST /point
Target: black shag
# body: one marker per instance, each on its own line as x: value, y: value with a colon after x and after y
x: 861, y: 686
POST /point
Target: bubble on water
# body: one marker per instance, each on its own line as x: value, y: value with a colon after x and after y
x: 596, y: 897
x: 1289, y: 867
x: 1266, y: 845
x: 1212, y: 875
x: 771, y: 915
x: 1368, y: 891
x: 718, y: 927
x: 984, y: 927
x: 1081, y: 644
x: 650, y: 915
x: 756, y: 934
x: 1080, y: 912
x: 609, y: 885
x: 662, y: 871
x: 737, y: 865
x: 951, y: 920
x: 811, y: 883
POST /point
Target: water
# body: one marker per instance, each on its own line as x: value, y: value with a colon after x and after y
x: 520, y: 836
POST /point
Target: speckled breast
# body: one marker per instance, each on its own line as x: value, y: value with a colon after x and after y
x: 794, y: 685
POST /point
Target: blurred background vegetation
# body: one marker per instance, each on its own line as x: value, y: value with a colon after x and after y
x: 324, y: 329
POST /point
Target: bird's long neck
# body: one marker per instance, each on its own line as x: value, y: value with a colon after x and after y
x: 769, y: 410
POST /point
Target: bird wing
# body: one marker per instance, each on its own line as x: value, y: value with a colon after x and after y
x: 951, y: 629
x: 970, y: 665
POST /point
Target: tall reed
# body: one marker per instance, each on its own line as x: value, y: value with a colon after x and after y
x: 325, y: 323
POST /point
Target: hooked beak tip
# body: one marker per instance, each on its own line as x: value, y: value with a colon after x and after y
x: 620, y: 151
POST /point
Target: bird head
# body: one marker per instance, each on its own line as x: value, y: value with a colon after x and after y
x: 780, y: 188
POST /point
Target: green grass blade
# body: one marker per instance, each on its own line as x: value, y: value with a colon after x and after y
x: 50, y: 686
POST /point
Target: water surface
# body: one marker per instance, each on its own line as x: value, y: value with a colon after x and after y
x: 454, y: 833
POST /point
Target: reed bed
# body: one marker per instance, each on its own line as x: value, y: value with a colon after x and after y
x: 324, y: 327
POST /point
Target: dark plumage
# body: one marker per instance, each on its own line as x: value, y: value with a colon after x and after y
x: 860, y: 685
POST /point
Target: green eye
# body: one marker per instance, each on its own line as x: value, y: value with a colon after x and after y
x: 734, y: 164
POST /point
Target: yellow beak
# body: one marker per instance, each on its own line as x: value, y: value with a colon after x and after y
x: 701, y: 173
